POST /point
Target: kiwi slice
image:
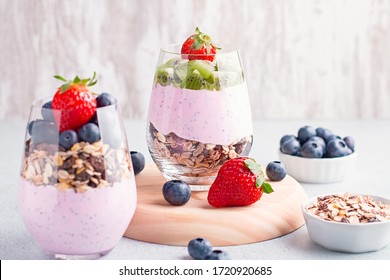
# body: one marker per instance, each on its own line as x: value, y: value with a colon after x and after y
x: 223, y: 79
x: 193, y: 81
x: 204, y: 67
x: 182, y: 70
x: 165, y: 76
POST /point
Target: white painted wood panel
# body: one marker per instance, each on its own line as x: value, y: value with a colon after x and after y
x: 303, y: 59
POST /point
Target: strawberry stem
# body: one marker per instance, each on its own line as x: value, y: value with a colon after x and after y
x: 76, y: 81
x: 201, y: 39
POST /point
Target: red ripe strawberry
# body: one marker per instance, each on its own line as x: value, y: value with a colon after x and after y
x: 200, y: 45
x: 239, y: 182
x: 75, y: 101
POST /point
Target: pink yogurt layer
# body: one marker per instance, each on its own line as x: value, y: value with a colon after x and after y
x: 217, y: 117
x: 70, y: 223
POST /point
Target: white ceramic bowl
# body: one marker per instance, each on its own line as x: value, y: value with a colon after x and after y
x: 344, y: 237
x: 319, y: 170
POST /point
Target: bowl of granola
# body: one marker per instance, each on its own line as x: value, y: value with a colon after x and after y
x: 351, y: 223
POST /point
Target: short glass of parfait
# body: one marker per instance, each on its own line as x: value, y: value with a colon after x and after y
x: 199, y: 114
x: 77, y: 187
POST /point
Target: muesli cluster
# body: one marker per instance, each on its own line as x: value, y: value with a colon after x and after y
x: 347, y: 208
x: 82, y: 167
x: 203, y: 159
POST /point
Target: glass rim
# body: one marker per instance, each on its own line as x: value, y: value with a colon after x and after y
x: 38, y: 103
x: 175, y: 50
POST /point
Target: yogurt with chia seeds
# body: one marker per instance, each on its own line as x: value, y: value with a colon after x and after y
x: 218, y: 117
x: 71, y: 223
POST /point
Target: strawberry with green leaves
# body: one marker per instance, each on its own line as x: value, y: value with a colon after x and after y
x: 239, y: 182
x: 75, y: 102
x: 200, y: 46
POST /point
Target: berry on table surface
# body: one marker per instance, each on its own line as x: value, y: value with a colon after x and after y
x: 199, y: 46
x: 199, y: 248
x: 138, y: 161
x: 239, y: 182
x: 68, y: 138
x: 276, y: 171
x: 176, y: 192
x: 89, y: 133
x: 218, y: 255
x: 75, y: 101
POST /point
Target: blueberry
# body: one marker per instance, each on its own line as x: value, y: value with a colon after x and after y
x: 89, y: 133
x: 276, y: 171
x: 312, y: 149
x: 94, y: 119
x: 68, y: 138
x: 306, y: 132
x: 337, y: 148
x: 350, y: 142
x: 43, y: 132
x: 323, y: 132
x: 218, y: 255
x: 319, y: 140
x: 31, y: 124
x: 199, y: 248
x: 138, y: 161
x: 290, y: 147
x: 47, y: 112
x: 332, y: 137
x: 176, y: 192
x: 286, y: 138
x: 105, y: 99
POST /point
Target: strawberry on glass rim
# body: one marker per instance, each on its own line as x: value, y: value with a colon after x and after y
x: 239, y: 182
x: 75, y: 101
x: 200, y: 46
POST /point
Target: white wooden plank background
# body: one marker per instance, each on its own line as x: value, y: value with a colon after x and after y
x: 303, y: 58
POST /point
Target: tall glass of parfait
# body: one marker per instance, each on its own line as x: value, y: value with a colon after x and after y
x: 199, y: 113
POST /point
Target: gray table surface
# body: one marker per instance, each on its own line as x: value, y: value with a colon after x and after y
x: 370, y: 176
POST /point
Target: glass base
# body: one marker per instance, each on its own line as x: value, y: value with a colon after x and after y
x: 93, y: 256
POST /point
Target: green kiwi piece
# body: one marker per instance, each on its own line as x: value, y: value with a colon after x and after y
x: 182, y: 70
x: 193, y: 81
x: 165, y: 76
x: 223, y: 79
x: 204, y: 67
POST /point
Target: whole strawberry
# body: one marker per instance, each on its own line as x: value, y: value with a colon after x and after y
x: 75, y: 102
x: 200, y: 45
x: 239, y: 182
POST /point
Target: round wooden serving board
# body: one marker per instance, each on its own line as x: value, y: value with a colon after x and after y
x: 156, y: 221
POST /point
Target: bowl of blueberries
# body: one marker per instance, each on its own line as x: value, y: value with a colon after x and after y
x: 317, y: 155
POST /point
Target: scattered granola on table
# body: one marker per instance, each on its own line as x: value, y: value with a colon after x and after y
x: 349, y: 208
